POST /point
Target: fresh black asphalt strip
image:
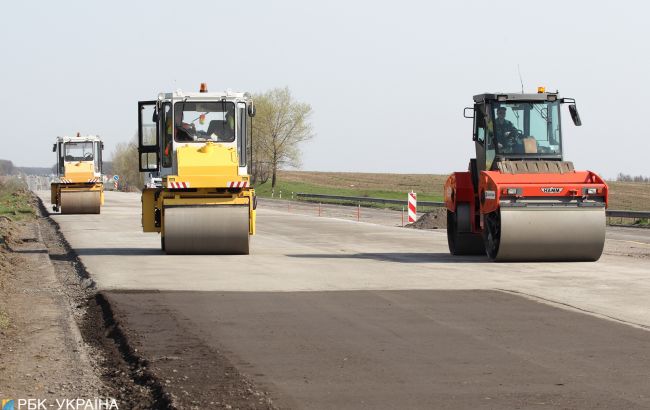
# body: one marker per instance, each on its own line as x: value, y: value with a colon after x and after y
x: 384, y: 350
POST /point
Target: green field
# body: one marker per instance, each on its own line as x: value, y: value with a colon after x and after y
x: 15, y: 200
x: 387, y: 186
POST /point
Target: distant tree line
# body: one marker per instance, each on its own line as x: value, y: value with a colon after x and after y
x: 621, y: 177
x: 38, y: 171
x: 6, y: 167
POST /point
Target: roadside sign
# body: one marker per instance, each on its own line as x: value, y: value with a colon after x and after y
x: 116, y: 177
x: 413, y: 204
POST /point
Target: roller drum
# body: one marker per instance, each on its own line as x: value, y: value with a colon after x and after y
x: 206, y: 229
x: 543, y: 234
x: 80, y: 202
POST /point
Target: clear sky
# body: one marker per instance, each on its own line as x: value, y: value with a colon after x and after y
x: 387, y: 81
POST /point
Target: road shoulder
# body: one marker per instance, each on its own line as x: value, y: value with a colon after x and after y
x: 44, y: 355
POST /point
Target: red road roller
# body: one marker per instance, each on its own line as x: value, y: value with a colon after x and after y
x: 520, y: 200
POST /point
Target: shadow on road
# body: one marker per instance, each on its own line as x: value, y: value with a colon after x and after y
x: 118, y: 251
x: 30, y: 251
x: 402, y: 257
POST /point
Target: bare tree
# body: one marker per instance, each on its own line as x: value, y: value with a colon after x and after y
x: 125, y: 164
x: 260, y: 169
x: 280, y: 125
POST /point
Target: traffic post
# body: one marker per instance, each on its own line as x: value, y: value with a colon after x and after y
x: 413, y: 206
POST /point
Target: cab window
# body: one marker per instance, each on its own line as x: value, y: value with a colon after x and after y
x: 204, y: 121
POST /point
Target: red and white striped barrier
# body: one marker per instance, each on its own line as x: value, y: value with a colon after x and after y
x: 230, y: 184
x: 413, y: 207
x: 116, y: 185
x: 178, y: 185
x: 238, y: 184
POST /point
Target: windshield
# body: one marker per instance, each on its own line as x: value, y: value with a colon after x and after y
x: 204, y: 121
x: 528, y: 128
x: 78, y: 151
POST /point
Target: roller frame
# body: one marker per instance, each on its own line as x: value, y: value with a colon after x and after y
x: 545, y: 234
x: 80, y: 202
x: 206, y: 229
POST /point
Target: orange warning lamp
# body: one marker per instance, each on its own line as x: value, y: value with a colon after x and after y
x: 541, y: 90
x: 204, y: 88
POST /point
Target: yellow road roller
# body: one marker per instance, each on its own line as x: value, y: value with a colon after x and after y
x: 78, y: 187
x: 197, y: 148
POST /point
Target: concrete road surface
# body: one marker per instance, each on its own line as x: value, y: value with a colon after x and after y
x: 329, y: 313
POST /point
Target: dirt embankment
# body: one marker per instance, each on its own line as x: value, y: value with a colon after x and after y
x: 436, y: 219
x: 15, y: 206
x: 56, y: 341
x: 7, y: 262
x: 43, y: 355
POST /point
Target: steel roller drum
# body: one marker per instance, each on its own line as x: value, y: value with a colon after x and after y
x: 206, y: 229
x: 543, y: 234
x: 80, y: 202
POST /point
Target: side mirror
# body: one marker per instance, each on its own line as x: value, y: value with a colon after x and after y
x: 154, y: 117
x: 54, y: 148
x: 251, y: 109
x: 471, y: 111
x: 573, y: 110
x: 102, y: 146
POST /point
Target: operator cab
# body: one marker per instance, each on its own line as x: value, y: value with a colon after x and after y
x: 78, y: 149
x: 192, y: 119
x: 518, y: 127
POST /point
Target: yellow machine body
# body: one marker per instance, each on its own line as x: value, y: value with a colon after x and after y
x: 82, y: 171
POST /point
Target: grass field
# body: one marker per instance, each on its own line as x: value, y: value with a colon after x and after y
x: 15, y: 200
x: 633, y: 196
x: 629, y: 196
x: 388, y: 186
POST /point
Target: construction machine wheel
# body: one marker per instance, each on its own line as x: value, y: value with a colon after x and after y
x: 80, y: 202
x: 545, y: 234
x: 492, y: 233
x: 462, y: 243
x: 206, y: 229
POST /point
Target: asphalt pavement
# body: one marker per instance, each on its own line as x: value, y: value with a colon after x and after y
x: 429, y: 349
